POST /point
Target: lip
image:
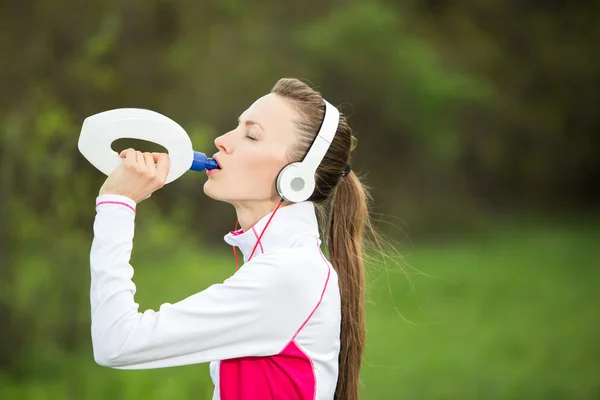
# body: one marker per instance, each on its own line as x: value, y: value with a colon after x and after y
x: 214, y: 157
x: 214, y: 171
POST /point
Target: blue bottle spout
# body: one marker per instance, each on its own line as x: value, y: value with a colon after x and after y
x: 201, y: 162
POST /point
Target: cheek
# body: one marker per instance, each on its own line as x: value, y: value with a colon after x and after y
x: 263, y: 171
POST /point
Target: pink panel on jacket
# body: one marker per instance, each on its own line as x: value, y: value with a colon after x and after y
x: 287, y: 375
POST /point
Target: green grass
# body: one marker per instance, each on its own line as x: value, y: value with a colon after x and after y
x: 513, y: 315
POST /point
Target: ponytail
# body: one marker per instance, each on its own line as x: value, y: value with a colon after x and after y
x: 348, y: 220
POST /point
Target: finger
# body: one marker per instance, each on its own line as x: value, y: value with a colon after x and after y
x: 123, y: 154
x: 139, y: 157
x: 130, y: 160
x: 163, y: 166
x: 156, y: 155
x: 149, y: 160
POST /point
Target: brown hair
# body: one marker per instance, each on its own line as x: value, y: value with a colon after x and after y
x: 347, y: 221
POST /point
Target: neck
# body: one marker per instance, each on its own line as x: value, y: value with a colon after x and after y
x: 249, y: 213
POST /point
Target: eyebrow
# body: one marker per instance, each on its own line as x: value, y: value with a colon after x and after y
x: 251, y: 122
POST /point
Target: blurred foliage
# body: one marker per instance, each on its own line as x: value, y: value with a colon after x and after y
x: 463, y: 110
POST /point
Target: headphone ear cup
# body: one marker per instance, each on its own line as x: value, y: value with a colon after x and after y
x: 295, y: 183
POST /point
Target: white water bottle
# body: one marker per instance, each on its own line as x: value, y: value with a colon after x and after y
x: 100, y: 130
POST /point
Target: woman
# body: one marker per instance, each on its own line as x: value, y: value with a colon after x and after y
x: 287, y: 324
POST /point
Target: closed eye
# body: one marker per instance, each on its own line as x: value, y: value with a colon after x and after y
x: 251, y: 137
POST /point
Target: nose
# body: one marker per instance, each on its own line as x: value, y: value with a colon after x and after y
x: 223, y: 144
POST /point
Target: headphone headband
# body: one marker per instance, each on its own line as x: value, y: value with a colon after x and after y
x: 317, y: 151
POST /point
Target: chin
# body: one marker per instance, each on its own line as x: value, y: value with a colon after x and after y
x: 208, y: 189
x: 211, y: 190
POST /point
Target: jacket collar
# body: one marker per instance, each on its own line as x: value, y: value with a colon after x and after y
x: 287, y: 226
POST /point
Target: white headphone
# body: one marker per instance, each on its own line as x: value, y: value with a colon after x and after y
x: 296, y: 182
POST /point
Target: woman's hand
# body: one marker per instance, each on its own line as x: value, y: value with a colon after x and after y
x: 140, y: 175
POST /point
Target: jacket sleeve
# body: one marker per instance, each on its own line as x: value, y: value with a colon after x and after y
x: 249, y: 314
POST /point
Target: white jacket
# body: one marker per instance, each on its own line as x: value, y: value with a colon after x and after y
x: 270, y: 331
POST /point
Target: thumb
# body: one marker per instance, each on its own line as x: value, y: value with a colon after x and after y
x: 163, y: 165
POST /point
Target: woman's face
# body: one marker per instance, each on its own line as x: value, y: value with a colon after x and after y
x: 251, y: 155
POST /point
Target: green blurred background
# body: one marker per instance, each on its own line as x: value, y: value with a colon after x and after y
x: 478, y: 132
